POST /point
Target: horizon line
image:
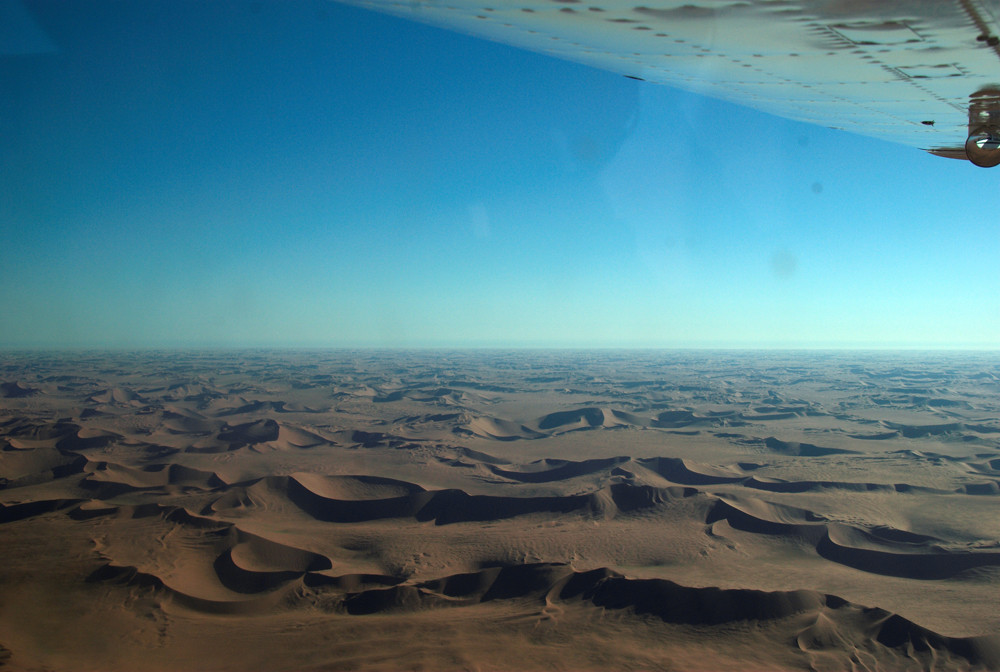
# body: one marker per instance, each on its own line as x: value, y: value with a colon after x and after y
x: 506, y: 348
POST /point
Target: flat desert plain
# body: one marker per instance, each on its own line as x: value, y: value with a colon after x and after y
x: 499, y: 510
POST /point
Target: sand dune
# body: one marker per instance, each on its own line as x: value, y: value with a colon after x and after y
x: 686, y: 472
x: 800, y: 449
x: 909, y: 559
x: 356, y: 488
x: 395, y: 510
x: 761, y: 517
x: 547, y: 470
x: 441, y: 506
x: 683, y: 418
x: 354, y: 499
x: 831, y: 624
x: 582, y: 418
x: 917, y: 431
x: 882, y: 550
x: 111, y: 478
x: 257, y: 431
x: 585, y: 418
x: 12, y: 512
x: 245, y: 407
x: 499, y: 429
x: 444, y: 396
x: 87, y: 439
x: 878, y: 436
x: 370, y: 439
x: 16, y: 390
x: 119, y: 395
x: 27, y: 466
x: 184, y: 421
x: 256, y: 564
x: 291, y: 437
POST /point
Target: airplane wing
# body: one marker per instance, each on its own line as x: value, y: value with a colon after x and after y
x: 924, y: 73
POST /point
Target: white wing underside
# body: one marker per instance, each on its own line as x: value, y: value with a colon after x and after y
x: 899, y: 70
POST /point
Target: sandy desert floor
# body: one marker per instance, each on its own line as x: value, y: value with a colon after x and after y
x: 488, y: 510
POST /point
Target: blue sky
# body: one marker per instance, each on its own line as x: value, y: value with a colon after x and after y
x: 310, y: 174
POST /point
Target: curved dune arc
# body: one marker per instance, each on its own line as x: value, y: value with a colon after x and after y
x: 485, y: 585
x: 882, y: 550
x: 564, y: 471
x: 683, y: 418
x: 244, y: 562
x: 500, y: 429
x: 118, y: 395
x: 986, y: 488
x: 453, y: 506
x: 700, y: 606
x: 682, y: 471
x: 257, y: 431
x: 990, y: 466
x: 456, y: 506
x: 471, y: 584
x: 16, y: 390
x: 179, y: 474
x: 860, y: 550
x: 256, y: 603
x: 43, y: 433
x: 87, y: 439
x: 776, y: 485
x: 240, y: 580
x: 21, y: 467
x: 361, y: 487
x: 403, y: 598
x: 480, y: 456
x: 296, y: 437
x: 13, y: 443
x: 881, y: 436
x: 795, y: 448
x: 151, y: 476
x: 836, y: 623
x: 255, y: 553
x: 627, y: 497
x: 894, y: 535
x: 589, y: 417
x: 626, y: 417
x: 896, y: 632
x: 336, y: 510
x: 12, y: 512
x: 183, y: 424
x: 255, y: 566
x: 772, y: 512
x: 881, y: 539
x: 351, y: 583
x: 605, y: 588
x: 959, y: 428
x: 764, y: 417
x: 760, y: 517
x: 329, y: 498
x: 94, y: 508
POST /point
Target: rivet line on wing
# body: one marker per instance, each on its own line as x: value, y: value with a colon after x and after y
x: 985, y: 35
